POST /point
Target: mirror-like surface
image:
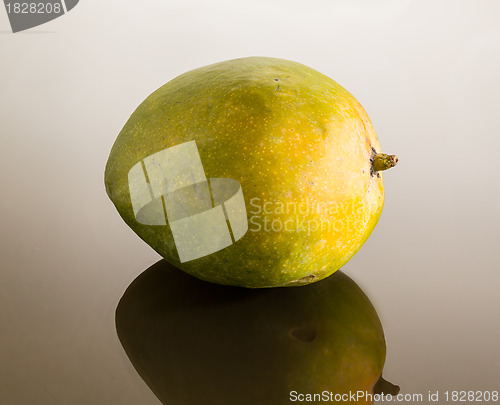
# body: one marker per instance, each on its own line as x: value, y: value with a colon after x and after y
x: 193, y: 341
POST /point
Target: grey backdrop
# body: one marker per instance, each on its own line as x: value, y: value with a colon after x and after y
x: 425, y: 71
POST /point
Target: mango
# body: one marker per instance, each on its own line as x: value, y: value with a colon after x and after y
x: 254, y: 172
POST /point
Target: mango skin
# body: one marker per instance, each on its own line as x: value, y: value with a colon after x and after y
x: 287, y: 134
x: 195, y: 342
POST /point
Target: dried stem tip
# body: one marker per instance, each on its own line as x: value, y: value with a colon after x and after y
x: 381, y: 161
x: 385, y: 387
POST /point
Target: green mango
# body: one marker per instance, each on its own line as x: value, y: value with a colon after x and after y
x: 255, y: 172
x: 195, y: 342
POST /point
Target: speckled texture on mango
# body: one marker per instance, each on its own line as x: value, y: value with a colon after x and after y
x: 292, y: 137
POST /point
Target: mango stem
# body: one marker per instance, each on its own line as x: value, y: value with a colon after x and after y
x: 381, y: 161
x: 385, y: 387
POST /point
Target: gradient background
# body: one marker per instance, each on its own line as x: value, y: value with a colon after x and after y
x: 425, y: 71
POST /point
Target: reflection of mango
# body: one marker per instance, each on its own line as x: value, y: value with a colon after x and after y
x: 200, y: 343
x: 302, y: 148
